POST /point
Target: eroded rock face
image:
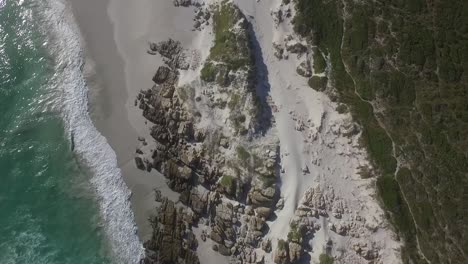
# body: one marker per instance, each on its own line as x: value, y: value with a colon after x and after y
x: 172, y: 238
x: 295, y: 252
x: 282, y: 253
x: 162, y: 74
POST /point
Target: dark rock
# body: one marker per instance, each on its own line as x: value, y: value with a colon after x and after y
x: 223, y: 250
x: 184, y: 3
x: 216, y: 237
x: 282, y: 253
x: 139, y: 163
x: 296, y: 48
x: 168, y: 244
x: 161, y: 75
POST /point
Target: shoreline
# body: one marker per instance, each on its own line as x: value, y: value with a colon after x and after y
x: 105, y: 75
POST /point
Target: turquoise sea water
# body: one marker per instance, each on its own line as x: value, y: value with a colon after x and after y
x: 48, y: 213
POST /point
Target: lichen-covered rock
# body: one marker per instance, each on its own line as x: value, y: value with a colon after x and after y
x: 282, y: 253
x: 168, y: 243
x: 295, y: 252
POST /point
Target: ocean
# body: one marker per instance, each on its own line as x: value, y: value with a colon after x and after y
x: 62, y: 197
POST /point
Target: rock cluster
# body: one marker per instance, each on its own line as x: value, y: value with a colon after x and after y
x: 184, y: 3
x: 202, y: 18
x: 228, y: 185
x: 172, y: 237
x: 184, y: 154
x: 172, y: 52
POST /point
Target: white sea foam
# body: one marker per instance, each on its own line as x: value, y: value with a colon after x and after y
x: 112, y: 193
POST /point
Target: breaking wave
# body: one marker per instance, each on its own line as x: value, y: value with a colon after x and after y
x: 65, y: 45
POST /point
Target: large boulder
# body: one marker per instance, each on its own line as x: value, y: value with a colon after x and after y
x: 139, y: 163
x: 161, y: 75
x: 295, y: 252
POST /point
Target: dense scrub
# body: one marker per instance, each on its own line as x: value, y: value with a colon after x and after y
x: 402, y: 67
x: 230, y: 51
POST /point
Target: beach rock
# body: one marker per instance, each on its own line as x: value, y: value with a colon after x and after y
x: 280, y: 204
x: 223, y: 250
x: 282, y: 253
x: 167, y: 242
x: 157, y: 196
x: 139, y: 163
x: 279, y: 51
x: 224, y: 142
x: 198, y: 201
x: 264, y: 212
x: 296, y: 47
x: 184, y: 3
x: 295, y: 252
x: 214, y: 247
x: 262, y: 197
x: 216, y: 237
x: 266, y: 245
x: 304, y: 69
x: 161, y: 75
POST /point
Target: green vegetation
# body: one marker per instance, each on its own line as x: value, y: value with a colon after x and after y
x: 413, y: 58
x: 342, y: 108
x: 325, y: 259
x: 227, y: 181
x: 231, y: 48
x: 295, y: 233
x: 318, y: 83
x: 208, y: 72
x: 242, y: 153
x: 234, y: 101
x: 282, y: 245
x: 319, y: 62
x: 268, y: 181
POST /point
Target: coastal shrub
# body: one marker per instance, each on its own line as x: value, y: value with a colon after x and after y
x: 267, y: 181
x: 227, y: 181
x: 295, y: 233
x: 319, y: 62
x: 242, y: 153
x: 342, y: 108
x: 282, y: 245
x: 318, y: 83
x: 325, y: 259
x: 414, y: 62
x: 229, y: 47
x: 234, y: 101
x: 208, y: 72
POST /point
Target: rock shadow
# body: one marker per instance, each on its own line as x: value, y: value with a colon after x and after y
x: 262, y: 85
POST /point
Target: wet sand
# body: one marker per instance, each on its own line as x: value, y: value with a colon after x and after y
x: 112, y: 94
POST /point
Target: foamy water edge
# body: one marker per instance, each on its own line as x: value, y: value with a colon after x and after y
x: 112, y: 193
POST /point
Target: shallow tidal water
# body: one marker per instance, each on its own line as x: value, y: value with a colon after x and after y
x: 48, y: 210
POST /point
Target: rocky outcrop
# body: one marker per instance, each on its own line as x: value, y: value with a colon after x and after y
x: 282, y: 253
x: 184, y: 3
x: 172, y: 238
x: 228, y: 184
x: 172, y: 52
